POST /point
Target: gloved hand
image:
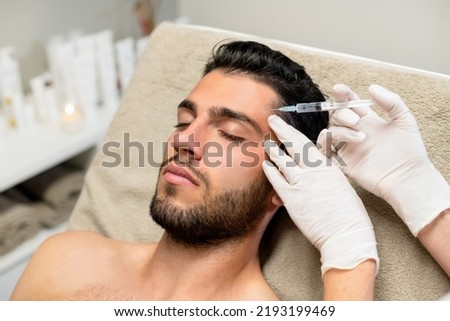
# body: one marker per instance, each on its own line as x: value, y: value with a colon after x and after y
x: 387, y: 158
x: 319, y: 199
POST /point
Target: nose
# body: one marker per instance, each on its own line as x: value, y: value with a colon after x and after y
x: 187, y: 143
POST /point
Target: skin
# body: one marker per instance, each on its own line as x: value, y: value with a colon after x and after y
x: 87, y: 266
x: 436, y: 239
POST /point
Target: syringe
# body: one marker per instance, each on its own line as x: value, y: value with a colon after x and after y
x: 325, y: 106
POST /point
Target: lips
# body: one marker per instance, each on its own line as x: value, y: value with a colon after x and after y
x: 179, y: 176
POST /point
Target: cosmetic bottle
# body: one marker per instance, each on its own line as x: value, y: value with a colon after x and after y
x: 126, y: 59
x: 85, y: 75
x: 106, y: 69
x: 44, y: 98
x: 11, y: 92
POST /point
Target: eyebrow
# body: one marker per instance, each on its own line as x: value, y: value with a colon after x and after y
x: 222, y: 111
x: 188, y: 104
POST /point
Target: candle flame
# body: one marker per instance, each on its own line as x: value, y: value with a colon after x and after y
x: 69, y: 109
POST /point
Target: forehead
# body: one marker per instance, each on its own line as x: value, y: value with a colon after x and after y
x: 238, y: 92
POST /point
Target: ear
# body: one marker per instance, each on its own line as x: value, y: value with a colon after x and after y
x: 276, y: 200
x: 273, y: 204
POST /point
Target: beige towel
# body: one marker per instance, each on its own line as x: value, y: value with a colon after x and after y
x: 18, y: 223
x: 114, y: 200
x: 58, y: 188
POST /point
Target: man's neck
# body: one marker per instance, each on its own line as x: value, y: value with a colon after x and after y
x: 177, y: 271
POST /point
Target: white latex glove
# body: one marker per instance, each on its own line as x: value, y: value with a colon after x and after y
x: 387, y: 158
x: 319, y: 199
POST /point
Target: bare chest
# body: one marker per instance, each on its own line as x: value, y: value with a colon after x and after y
x: 103, y: 293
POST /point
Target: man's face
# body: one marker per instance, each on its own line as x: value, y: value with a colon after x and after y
x: 212, y: 187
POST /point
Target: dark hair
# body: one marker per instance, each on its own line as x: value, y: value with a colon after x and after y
x: 289, y: 79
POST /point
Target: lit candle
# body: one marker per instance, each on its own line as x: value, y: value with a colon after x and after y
x: 71, y: 117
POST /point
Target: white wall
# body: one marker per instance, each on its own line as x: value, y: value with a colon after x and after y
x: 414, y: 33
x: 28, y: 24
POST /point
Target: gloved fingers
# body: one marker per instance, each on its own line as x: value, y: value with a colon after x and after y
x: 388, y: 101
x: 297, y: 145
x: 345, y: 134
x: 332, y: 140
x: 286, y: 165
x: 325, y: 144
x: 343, y: 93
x: 276, y: 179
x: 344, y: 117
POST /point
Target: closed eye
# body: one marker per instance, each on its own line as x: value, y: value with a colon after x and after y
x: 224, y: 134
x: 230, y: 137
x: 182, y: 125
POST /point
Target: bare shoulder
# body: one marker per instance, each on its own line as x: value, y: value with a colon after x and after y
x: 72, y: 239
x: 71, y: 246
x: 59, y: 262
x: 258, y: 292
x: 255, y: 288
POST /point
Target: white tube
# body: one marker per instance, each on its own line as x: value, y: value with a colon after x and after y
x: 106, y: 69
x: 85, y: 75
x: 126, y: 60
x: 11, y: 92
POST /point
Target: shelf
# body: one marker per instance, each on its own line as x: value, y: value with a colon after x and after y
x: 28, y: 153
x: 24, y: 251
x: 25, y: 154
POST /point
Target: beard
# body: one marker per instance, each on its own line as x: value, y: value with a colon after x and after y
x: 227, y: 216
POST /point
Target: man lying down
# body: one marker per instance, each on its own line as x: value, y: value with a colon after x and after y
x: 215, y: 206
